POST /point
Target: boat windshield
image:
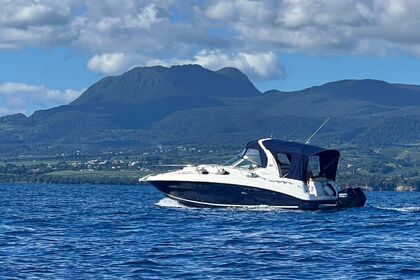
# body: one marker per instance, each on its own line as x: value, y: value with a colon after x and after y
x: 233, y: 160
x: 249, y: 158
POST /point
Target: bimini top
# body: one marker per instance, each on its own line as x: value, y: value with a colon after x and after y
x: 298, y: 155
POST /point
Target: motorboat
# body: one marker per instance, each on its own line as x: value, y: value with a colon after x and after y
x: 269, y: 172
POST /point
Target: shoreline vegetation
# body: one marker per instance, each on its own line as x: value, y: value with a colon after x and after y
x: 379, y: 170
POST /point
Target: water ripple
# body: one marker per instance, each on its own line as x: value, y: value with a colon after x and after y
x: 131, y: 232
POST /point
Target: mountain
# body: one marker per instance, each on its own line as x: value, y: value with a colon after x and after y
x: 414, y: 87
x: 374, y: 91
x: 142, y: 96
x: 191, y: 104
x: 362, y: 117
x: 143, y: 85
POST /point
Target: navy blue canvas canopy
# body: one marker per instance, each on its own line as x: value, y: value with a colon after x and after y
x: 299, y: 155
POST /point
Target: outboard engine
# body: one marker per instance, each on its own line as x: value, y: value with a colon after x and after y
x: 351, y: 197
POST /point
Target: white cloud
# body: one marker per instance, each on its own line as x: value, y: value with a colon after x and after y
x: 24, y: 98
x: 36, y: 14
x: 12, y: 88
x: 145, y: 19
x: 35, y: 23
x: 22, y: 89
x: 249, y: 34
x: 262, y: 65
x: 5, y: 111
x: 108, y: 63
x: 322, y: 27
x: 221, y: 10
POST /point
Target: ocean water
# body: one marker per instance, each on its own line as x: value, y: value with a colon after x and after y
x: 132, y: 232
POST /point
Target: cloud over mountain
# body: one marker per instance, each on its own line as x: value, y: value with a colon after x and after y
x: 108, y: 63
x: 263, y: 65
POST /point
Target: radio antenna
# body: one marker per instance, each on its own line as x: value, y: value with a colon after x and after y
x: 316, y: 131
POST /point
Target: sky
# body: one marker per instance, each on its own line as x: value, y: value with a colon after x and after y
x: 51, y: 51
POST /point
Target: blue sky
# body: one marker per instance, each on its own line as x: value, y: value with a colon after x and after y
x: 51, y: 51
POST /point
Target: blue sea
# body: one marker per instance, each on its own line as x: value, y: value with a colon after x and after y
x: 133, y: 232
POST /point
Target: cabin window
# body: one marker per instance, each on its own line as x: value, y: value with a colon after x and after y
x: 313, y: 167
x: 283, y: 162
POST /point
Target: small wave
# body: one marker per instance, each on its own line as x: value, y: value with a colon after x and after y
x: 264, y: 208
x: 168, y: 202
x: 411, y: 209
x: 171, y: 203
x: 16, y: 229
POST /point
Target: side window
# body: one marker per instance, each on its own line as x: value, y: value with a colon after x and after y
x: 313, y: 167
x: 283, y: 159
x: 283, y: 163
